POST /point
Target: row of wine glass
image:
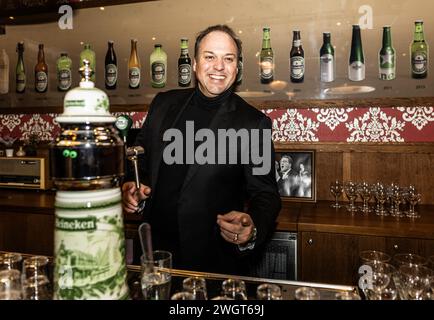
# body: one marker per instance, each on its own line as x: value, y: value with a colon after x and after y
x: 390, y: 199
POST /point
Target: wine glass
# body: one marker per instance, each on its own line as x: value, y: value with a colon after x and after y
x: 380, y: 195
x: 268, y: 291
x: 364, y: 190
x: 235, y: 289
x: 413, y: 199
x: 336, y: 189
x: 351, y: 193
x: 196, y: 286
x: 35, y: 282
x: 307, y: 293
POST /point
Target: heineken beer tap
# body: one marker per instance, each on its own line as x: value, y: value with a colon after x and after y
x: 87, y: 162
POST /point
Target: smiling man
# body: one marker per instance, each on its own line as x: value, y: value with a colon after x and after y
x: 211, y: 215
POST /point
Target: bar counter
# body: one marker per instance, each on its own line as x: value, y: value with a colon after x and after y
x: 327, y: 239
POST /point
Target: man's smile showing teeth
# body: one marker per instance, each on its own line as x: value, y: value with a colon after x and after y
x: 216, y: 77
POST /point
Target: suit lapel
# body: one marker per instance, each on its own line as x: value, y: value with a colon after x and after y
x: 219, y: 121
x: 171, y: 117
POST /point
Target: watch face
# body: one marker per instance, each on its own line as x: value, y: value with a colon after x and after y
x: 121, y: 123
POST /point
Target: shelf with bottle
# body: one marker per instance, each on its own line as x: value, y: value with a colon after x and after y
x: 299, y: 85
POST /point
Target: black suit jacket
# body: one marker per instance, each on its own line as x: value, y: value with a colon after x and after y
x: 210, y: 189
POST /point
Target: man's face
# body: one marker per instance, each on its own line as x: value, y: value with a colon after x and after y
x: 216, y: 63
x: 284, y: 164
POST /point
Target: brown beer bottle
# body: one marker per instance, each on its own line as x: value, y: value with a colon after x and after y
x: 41, y: 71
x: 134, y: 67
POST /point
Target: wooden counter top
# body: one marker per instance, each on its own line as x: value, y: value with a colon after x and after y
x: 319, y: 217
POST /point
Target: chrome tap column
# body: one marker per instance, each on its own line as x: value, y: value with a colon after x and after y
x: 86, y: 166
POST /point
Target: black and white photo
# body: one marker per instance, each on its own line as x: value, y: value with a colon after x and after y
x: 295, y: 175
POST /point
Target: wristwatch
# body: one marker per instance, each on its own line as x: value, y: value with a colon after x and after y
x: 251, y: 243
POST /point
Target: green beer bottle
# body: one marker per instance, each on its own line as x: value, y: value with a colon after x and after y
x: 64, y: 75
x: 184, y: 65
x: 327, y: 59
x: 89, y: 54
x: 266, y: 58
x: 387, y: 57
x: 20, y: 70
x: 419, y: 53
x: 356, y: 67
x: 158, y: 62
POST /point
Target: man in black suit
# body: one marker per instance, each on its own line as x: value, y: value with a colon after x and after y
x: 211, y: 211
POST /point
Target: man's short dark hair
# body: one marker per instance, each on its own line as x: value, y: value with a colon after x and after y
x: 218, y: 27
x: 287, y: 157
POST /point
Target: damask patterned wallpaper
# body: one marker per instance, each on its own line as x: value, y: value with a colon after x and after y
x: 401, y: 124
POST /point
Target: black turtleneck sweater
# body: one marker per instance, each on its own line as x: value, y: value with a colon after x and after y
x: 164, y: 215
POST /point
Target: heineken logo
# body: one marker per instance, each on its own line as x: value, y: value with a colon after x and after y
x: 76, y: 224
x: 74, y: 103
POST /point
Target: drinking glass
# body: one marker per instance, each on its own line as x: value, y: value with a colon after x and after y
x: 373, y: 255
x: 413, y: 199
x: 336, y: 189
x: 351, y: 193
x: 415, y: 281
x: 382, y: 285
x: 196, y: 286
x: 10, y: 261
x: 409, y: 258
x: 347, y: 295
x: 35, y: 282
x: 183, y: 295
x: 380, y: 195
x: 235, y: 289
x: 307, y: 293
x: 155, y: 275
x: 10, y: 284
x: 365, y: 192
x: 268, y: 291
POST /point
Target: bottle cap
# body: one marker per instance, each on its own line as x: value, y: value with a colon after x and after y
x: 157, y: 45
x: 111, y: 41
x: 418, y: 21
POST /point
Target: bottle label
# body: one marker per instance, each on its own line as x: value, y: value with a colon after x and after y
x: 134, y: 77
x: 296, y: 43
x: 158, y: 72
x: 21, y: 82
x: 419, y: 62
x: 356, y: 71
x: 184, y: 73
x: 41, y: 81
x: 184, y: 51
x: 64, y: 79
x: 387, y: 67
x: 297, y: 67
x: 267, y: 67
x: 111, y: 74
x: 327, y: 68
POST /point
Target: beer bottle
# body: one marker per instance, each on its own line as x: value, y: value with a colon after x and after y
x: 356, y: 67
x: 327, y: 59
x: 266, y: 58
x: 419, y: 53
x: 240, y: 70
x: 387, y: 65
x: 134, y: 67
x: 64, y: 75
x: 41, y: 71
x: 184, y: 65
x: 89, y: 55
x: 20, y: 73
x: 111, y: 68
x: 4, y: 72
x: 158, y: 62
x: 296, y: 61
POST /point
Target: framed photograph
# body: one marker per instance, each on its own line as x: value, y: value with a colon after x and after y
x: 296, y: 175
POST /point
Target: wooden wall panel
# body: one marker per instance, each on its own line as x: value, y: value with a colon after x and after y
x: 328, y: 169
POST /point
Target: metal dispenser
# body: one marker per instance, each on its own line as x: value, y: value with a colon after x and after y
x: 87, y: 164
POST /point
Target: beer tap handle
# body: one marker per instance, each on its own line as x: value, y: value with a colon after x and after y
x: 132, y: 154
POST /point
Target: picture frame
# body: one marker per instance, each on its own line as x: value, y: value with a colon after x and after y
x: 296, y: 175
